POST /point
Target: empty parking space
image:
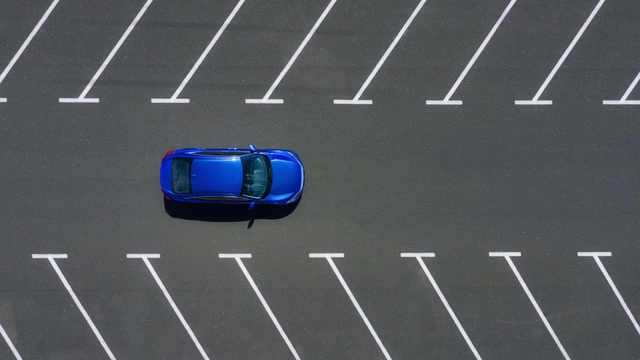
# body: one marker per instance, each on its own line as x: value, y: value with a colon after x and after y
x: 426, y: 50
x: 493, y: 296
x: 26, y: 43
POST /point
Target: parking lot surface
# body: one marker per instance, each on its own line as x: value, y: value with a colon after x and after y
x: 471, y: 179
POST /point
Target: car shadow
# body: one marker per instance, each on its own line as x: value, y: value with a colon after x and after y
x: 227, y: 213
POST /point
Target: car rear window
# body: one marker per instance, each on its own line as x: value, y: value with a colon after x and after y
x: 180, y: 175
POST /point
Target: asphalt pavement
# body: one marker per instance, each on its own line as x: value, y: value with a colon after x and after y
x: 492, y: 200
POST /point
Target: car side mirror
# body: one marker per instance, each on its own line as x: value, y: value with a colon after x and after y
x: 252, y: 205
x: 253, y: 148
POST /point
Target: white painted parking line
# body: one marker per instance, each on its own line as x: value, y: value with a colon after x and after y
x: 535, y: 100
x: 265, y: 99
x: 419, y: 257
x: 234, y: 256
x: 447, y: 99
x: 145, y: 258
x: 329, y: 257
x: 596, y: 256
x: 623, y: 100
x: 324, y: 255
x: 356, y: 100
x: 8, y: 340
x: 238, y: 258
x: 51, y: 258
x: 26, y: 43
x: 82, y: 98
x: 174, y: 98
x: 507, y: 256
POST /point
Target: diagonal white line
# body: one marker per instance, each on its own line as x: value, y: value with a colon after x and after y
x: 299, y: 50
x: 207, y: 50
x: 568, y: 50
x: 357, y: 306
x: 629, y: 90
x: 8, y: 340
x: 479, y: 51
x: 389, y: 50
x: 115, y: 49
x: 174, y: 307
x: 446, y: 305
x: 28, y: 40
x: 266, y: 306
x: 596, y: 257
x: 79, y: 305
x: 535, y: 305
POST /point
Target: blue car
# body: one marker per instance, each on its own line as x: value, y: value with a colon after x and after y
x: 232, y: 176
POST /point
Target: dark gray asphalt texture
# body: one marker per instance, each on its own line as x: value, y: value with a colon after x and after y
x: 396, y: 176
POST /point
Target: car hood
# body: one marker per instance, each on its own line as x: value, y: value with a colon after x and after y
x: 286, y: 177
x: 216, y: 176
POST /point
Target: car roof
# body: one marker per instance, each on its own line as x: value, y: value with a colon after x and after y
x: 216, y: 175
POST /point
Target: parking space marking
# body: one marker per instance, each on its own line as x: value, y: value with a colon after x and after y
x: 145, y: 258
x: 447, y: 99
x: 174, y: 98
x: 238, y: 258
x: 419, y: 257
x: 26, y: 43
x: 356, y: 100
x: 623, y: 100
x: 507, y: 256
x: 53, y: 263
x: 535, y: 100
x: 596, y: 256
x: 329, y: 257
x: 82, y: 98
x: 8, y: 340
x: 265, y: 99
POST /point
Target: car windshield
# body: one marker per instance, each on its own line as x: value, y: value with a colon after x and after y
x: 180, y: 170
x: 256, y: 174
